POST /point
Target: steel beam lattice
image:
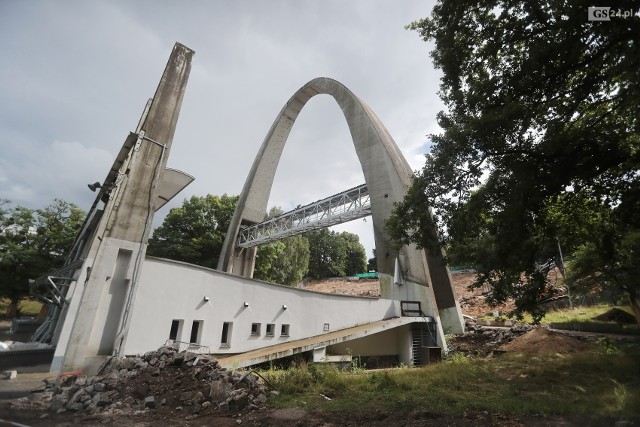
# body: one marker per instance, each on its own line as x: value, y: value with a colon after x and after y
x: 52, y: 288
x: 337, y: 209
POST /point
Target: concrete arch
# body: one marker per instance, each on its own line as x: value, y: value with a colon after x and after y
x: 387, y: 175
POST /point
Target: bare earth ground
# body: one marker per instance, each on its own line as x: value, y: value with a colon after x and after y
x: 294, y: 418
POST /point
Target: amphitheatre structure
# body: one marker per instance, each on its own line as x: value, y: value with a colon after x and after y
x: 111, y: 299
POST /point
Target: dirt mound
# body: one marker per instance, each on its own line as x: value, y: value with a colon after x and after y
x: 616, y: 315
x: 543, y: 341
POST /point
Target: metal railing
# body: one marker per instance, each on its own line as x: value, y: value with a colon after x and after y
x: 187, y: 346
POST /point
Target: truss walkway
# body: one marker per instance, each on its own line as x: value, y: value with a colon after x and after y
x: 337, y: 209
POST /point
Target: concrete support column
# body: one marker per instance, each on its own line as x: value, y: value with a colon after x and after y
x: 97, y: 325
x: 448, y: 306
x: 244, y: 262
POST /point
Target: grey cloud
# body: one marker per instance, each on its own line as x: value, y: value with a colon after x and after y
x: 80, y: 72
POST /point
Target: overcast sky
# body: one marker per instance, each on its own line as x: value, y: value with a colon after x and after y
x: 75, y: 76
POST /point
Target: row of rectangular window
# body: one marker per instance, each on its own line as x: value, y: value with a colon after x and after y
x: 225, y: 339
x: 176, y: 330
x: 271, y: 328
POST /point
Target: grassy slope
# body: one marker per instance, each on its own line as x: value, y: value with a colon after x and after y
x: 581, y: 319
x: 592, y: 384
x: 580, y: 314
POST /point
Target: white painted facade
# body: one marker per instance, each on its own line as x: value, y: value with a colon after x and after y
x: 257, y: 314
x: 123, y: 303
x: 172, y: 290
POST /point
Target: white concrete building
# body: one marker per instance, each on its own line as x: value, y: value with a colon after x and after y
x: 224, y: 314
x: 112, y: 300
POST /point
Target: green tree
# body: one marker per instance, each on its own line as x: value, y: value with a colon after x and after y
x: 335, y: 254
x: 356, y: 255
x: 608, y: 258
x: 266, y: 256
x: 540, y: 102
x: 195, y: 231
x: 372, y: 263
x: 33, y: 242
x: 574, y: 217
x: 285, y: 261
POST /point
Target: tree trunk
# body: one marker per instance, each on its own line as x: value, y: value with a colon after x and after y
x: 12, y: 309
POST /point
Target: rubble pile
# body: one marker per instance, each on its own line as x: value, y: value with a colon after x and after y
x: 482, y: 341
x: 164, y: 380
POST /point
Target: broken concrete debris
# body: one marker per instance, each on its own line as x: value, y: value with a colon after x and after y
x: 9, y: 375
x: 481, y: 341
x: 159, y: 379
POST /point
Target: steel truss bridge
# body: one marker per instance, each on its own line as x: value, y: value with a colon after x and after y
x: 342, y: 207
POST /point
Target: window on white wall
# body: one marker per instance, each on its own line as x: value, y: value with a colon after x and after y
x: 196, y: 331
x: 255, y: 329
x: 284, y: 330
x: 176, y: 330
x: 271, y: 329
x: 226, y: 333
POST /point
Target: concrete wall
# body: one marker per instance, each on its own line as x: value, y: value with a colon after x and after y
x: 382, y: 344
x: 171, y: 290
x: 96, y: 303
x: 409, y: 291
x: 395, y: 342
x: 110, y: 309
x: 405, y: 347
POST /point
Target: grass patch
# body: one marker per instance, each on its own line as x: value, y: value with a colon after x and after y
x: 580, y: 314
x: 597, y: 327
x: 591, y: 384
x: 581, y: 319
x: 27, y: 307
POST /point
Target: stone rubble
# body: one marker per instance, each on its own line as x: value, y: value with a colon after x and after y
x: 481, y: 341
x: 162, y: 379
x: 9, y: 375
